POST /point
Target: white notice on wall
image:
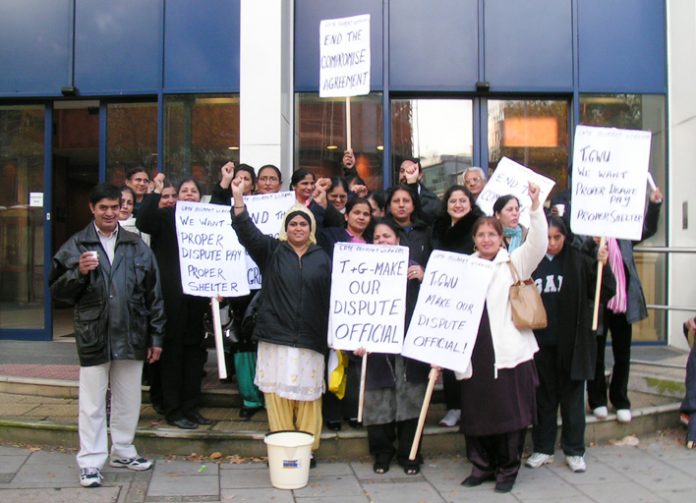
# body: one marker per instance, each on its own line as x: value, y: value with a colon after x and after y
x: 344, y: 56
x: 445, y: 322
x: 368, y: 297
x: 36, y: 199
x: 211, y: 259
x: 513, y: 178
x: 610, y: 167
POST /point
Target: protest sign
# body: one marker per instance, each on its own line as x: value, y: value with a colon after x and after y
x: 450, y: 302
x: 344, y: 56
x: 610, y: 169
x: 210, y: 256
x: 267, y: 212
x: 511, y: 177
x: 368, y: 297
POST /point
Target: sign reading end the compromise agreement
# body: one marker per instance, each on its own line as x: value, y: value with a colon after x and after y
x: 211, y: 259
x: 368, y: 297
x: 445, y: 322
x: 344, y: 56
x: 610, y: 169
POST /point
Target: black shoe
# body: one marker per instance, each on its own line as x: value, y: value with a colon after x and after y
x: 473, y: 481
x: 183, y: 423
x: 333, y: 425
x: 503, y: 487
x: 312, y: 462
x: 355, y: 424
x: 197, y: 418
x: 248, y: 412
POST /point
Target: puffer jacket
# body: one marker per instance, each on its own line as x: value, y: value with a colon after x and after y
x: 119, y: 311
x: 296, y: 290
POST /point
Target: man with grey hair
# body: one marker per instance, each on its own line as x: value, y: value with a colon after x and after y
x: 474, y: 180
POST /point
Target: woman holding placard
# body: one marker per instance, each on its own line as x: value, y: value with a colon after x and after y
x: 498, y: 390
x: 183, y: 357
x: 452, y: 232
x: 507, y: 210
x: 292, y: 321
x: 566, y: 280
x: 394, y: 385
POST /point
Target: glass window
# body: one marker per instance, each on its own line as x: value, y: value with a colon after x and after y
x: 21, y: 217
x: 201, y: 133
x: 533, y: 133
x: 645, y: 112
x: 321, y: 135
x: 131, y: 132
x: 439, y: 133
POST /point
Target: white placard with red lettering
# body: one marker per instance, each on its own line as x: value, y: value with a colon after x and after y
x: 445, y: 322
x: 368, y: 297
x: 610, y: 167
x: 513, y: 178
x: 344, y: 56
x: 211, y: 259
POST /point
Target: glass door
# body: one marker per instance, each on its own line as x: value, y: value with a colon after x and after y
x: 22, y: 230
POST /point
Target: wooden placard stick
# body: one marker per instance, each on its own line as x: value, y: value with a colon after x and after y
x: 595, y: 314
x: 432, y: 377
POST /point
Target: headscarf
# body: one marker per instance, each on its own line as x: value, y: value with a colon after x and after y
x: 515, y: 235
x: 292, y: 213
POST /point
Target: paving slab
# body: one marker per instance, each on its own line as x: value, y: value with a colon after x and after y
x: 328, y: 485
x: 180, y: 478
x: 245, y: 479
x: 620, y: 492
x: 68, y: 495
x: 407, y: 492
x: 257, y: 496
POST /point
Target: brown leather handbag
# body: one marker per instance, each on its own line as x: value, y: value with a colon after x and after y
x: 526, y: 304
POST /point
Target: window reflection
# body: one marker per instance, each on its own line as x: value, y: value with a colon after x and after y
x: 201, y: 133
x: 533, y: 133
x: 439, y: 133
x: 21, y: 217
x: 131, y: 139
x: 321, y: 135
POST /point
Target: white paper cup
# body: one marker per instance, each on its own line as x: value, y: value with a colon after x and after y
x: 94, y: 254
x: 560, y: 208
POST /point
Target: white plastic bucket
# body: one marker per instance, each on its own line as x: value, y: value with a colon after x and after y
x: 289, y: 453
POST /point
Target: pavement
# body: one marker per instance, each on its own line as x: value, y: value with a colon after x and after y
x: 658, y: 469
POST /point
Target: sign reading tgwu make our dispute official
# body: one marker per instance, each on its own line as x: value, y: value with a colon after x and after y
x: 445, y: 322
x: 210, y: 257
x: 610, y: 169
x: 344, y: 59
x: 368, y: 297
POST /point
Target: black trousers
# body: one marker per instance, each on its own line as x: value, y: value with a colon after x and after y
x: 182, y: 372
x: 451, y: 390
x: 496, y: 455
x: 556, y: 389
x: 381, y: 439
x: 621, y: 334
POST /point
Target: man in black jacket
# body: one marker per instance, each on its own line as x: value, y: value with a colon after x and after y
x: 411, y: 174
x: 111, y: 278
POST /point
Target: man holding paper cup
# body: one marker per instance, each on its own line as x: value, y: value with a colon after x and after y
x: 111, y: 277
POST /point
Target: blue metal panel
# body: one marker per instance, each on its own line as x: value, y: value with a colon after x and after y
x: 433, y: 45
x: 529, y: 45
x: 118, y: 46
x: 622, y: 46
x: 308, y: 14
x: 201, y: 45
x: 35, y: 47
x: 48, y: 223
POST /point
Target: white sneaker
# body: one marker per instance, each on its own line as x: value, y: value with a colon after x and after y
x: 576, y: 463
x: 538, y: 459
x: 90, y: 477
x: 451, y: 418
x: 135, y: 464
x: 623, y: 415
x: 601, y: 412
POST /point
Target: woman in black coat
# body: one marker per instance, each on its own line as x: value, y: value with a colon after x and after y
x: 566, y: 279
x: 183, y: 355
x: 452, y: 232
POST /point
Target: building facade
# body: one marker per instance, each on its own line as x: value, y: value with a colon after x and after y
x: 92, y: 88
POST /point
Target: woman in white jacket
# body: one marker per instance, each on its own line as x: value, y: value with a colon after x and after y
x: 498, y: 391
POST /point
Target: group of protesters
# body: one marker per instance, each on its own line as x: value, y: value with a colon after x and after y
x: 517, y: 378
